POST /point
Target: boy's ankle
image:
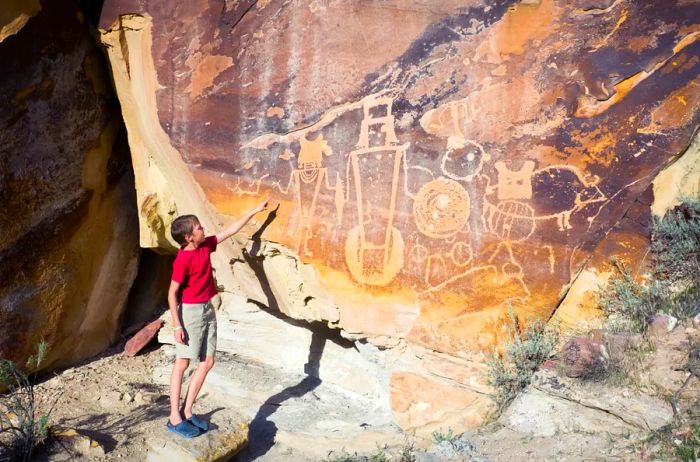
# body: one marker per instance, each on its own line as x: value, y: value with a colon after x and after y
x: 175, y: 419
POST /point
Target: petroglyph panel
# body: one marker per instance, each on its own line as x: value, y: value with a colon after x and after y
x: 450, y: 159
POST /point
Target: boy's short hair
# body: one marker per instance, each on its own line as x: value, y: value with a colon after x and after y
x: 182, y: 226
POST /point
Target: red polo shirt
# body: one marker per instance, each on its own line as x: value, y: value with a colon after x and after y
x: 192, y: 269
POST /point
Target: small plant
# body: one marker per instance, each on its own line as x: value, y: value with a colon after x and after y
x: 676, y: 242
x: 628, y: 304
x: 681, y: 441
x: 22, y: 425
x: 674, y: 284
x: 511, y: 371
x: 382, y: 454
x: 439, y: 436
x: 688, y: 449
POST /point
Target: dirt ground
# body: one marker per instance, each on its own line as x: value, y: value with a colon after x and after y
x: 115, y: 401
x: 111, y: 399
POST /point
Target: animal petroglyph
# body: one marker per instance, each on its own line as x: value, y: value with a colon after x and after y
x: 559, y: 191
x: 514, y: 184
x: 510, y: 220
x: 552, y: 192
x: 441, y: 208
x: 374, y: 248
x: 250, y: 191
x: 450, y: 118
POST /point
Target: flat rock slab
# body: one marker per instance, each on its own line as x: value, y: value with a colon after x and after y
x: 642, y: 411
x: 142, y: 338
x: 228, y: 434
x: 555, y: 404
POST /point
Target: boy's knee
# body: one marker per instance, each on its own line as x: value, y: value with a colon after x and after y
x: 181, y: 363
x: 208, y: 362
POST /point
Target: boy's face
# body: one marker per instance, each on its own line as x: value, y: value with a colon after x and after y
x: 197, y: 236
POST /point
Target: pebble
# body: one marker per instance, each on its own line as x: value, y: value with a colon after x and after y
x: 127, y: 397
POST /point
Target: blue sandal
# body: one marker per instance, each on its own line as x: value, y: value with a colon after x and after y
x: 199, y: 423
x: 184, y: 429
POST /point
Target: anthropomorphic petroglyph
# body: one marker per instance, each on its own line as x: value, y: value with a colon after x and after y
x: 374, y: 248
x: 307, y: 180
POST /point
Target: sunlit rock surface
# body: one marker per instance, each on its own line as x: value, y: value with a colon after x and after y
x: 436, y: 162
x: 69, y: 247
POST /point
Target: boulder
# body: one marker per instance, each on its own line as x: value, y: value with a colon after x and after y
x: 584, y: 357
x: 227, y: 436
x: 661, y: 324
x: 69, y: 251
x: 617, y: 344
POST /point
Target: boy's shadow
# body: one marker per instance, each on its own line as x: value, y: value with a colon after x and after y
x: 262, y: 432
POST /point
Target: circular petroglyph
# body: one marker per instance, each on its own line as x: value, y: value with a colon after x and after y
x: 463, y: 160
x: 441, y: 208
x: 461, y: 253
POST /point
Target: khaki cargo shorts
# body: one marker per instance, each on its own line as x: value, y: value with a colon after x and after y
x: 199, y: 323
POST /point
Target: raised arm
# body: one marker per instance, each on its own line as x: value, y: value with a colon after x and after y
x: 236, y: 226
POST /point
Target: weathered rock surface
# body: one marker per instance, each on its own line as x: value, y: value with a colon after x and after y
x: 227, y: 437
x: 557, y: 404
x: 69, y: 248
x: 481, y: 158
x: 256, y: 336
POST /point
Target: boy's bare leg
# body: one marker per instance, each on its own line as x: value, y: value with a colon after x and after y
x: 179, y: 369
x: 196, y: 384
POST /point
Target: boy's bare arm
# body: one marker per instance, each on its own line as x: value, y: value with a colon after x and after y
x: 236, y: 226
x: 178, y: 331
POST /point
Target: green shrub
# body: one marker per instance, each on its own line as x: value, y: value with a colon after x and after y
x: 22, y: 424
x: 676, y: 242
x: 674, y: 285
x: 626, y: 303
x: 511, y: 371
x: 439, y: 436
x: 382, y: 454
x: 688, y: 448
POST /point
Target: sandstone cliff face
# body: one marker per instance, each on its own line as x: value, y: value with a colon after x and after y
x: 436, y: 162
x: 69, y: 247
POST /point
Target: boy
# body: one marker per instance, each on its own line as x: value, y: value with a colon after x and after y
x: 194, y: 321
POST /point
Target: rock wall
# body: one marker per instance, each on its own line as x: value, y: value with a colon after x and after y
x: 69, y: 248
x: 436, y: 162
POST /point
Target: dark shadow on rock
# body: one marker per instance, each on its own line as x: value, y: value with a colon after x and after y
x: 262, y: 432
x: 100, y: 426
x: 255, y: 260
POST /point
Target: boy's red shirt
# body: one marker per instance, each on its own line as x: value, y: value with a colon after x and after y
x: 192, y: 269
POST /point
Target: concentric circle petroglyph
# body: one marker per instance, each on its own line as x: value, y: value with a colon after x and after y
x: 441, y: 208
